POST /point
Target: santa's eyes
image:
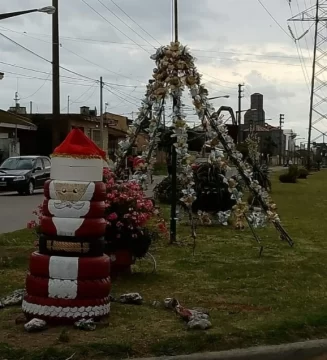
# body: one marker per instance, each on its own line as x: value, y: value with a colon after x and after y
x: 64, y: 191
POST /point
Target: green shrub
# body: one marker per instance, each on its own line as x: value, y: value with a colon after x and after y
x: 293, y: 170
x: 303, y: 173
x: 288, y: 178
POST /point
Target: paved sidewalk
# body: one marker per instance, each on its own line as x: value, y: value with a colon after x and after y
x: 308, y: 350
x: 156, y: 180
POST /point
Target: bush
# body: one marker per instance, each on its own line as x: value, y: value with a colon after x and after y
x: 288, y: 178
x: 212, y: 194
x: 162, y: 191
x: 293, y: 170
x: 261, y: 174
x: 303, y: 173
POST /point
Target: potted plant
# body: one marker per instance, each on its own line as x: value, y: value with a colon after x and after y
x: 127, y: 213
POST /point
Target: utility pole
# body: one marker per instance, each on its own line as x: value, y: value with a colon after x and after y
x: 281, y: 122
x: 173, y: 212
x: 101, y: 113
x: 55, y: 73
x: 31, y: 107
x: 316, y: 14
x: 239, y: 112
x: 68, y: 104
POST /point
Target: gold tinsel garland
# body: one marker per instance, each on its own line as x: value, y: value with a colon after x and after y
x: 75, y: 156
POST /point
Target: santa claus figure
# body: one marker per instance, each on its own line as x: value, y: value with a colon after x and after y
x: 68, y: 277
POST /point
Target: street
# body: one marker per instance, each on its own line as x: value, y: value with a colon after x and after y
x: 16, y: 211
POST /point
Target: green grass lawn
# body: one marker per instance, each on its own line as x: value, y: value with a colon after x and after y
x: 279, y: 297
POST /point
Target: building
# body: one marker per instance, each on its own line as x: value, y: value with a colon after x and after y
x: 290, y: 140
x: 256, y: 113
x: 17, y: 135
x: 273, y: 141
x: 118, y: 126
x: 50, y: 134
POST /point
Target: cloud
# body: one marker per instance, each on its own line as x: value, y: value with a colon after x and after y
x: 234, y: 42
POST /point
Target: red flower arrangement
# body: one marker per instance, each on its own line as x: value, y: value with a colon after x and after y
x: 127, y: 213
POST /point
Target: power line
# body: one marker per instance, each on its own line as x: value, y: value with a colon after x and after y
x: 23, y: 76
x: 120, y: 19
x: 84, y: 101
x: 110, y: 91
x: 111, y: 24
x: 87, y: 60
x: 278, y: 24
x: 77, y: 39
x: 231, y: 82
x: 300, y: 55
x: 95, y: 64
x: 39, y: 71
x: 135, y: 22
x: 35, y: 92
x: 44, y: 59
x: 25, y: 48
x: 120, y: 104
x: 249, y: 61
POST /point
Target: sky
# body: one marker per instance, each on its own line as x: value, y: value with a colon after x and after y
x: 234, y: 41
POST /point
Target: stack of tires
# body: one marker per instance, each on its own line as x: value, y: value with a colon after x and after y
x: 69, y: 277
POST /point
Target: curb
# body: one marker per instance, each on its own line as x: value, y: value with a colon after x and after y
x: 308, y: 350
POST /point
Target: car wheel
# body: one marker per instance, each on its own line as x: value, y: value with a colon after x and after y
x: 30, y: 188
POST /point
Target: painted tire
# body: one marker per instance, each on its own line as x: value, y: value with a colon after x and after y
x: 69, y: 246
x: 79, y: 209
x: 69, y: 268
x: 53, y: 226
x: 121, y: 263
x: 62, y: 311
x: 84, y: 191
x: 121, y: 258
x: 67, y: 289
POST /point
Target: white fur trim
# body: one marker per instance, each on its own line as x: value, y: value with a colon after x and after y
x: 63, y: 168
x: 66, y: 312
x: 68, y: 226
x: 68, y: 209
x: 63, y: 268
x: 62, y: 289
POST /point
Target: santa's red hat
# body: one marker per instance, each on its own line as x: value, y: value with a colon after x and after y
x: 77, y: 158
x: 78, y: 145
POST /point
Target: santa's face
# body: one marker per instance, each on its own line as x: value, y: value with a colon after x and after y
x: 70, y: 191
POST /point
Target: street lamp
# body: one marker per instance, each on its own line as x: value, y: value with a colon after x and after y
x: 47, y: 10
x: 219, y: 97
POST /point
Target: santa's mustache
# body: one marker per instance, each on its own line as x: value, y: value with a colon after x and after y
x: 68, y: 204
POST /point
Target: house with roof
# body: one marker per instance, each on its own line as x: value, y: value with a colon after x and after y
x: 17, y: 135
x: 50, y: 133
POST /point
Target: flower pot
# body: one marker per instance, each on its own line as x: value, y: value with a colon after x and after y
x: 121, y: 262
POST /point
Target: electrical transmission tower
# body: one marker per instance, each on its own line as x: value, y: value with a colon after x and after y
x: 317, y: 15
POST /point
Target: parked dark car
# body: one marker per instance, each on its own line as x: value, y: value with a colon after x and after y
x: 24, y: 173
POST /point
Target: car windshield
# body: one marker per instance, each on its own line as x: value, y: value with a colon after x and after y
x: 18, y: 164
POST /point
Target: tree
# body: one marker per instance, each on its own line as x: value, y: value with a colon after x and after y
x: 268, y: 147
x: 243, y: 149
